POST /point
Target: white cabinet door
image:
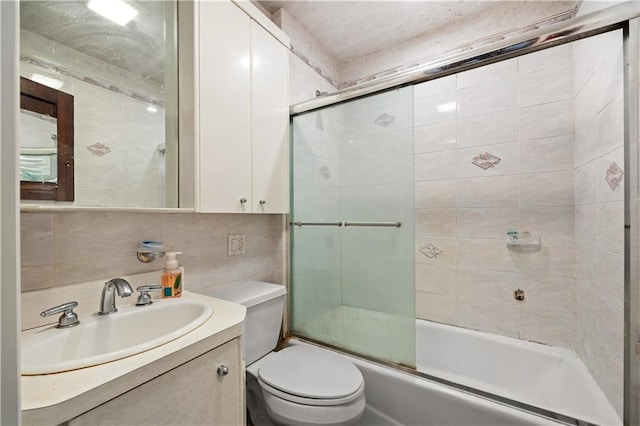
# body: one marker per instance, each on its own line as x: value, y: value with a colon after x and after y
x: 224, y: 76
x: 191, y: 394
x: 269, y: 122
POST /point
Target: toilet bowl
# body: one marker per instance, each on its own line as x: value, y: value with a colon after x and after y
x: 298, y: 385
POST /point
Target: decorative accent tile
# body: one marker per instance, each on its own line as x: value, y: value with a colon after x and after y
x: 431, y: 251
x: 485, y: 161
x: 384, y: 120
x: 99, y: 149
x: 614, y: 176
x: 325, y: 171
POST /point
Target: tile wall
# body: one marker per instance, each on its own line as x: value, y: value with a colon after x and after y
x: 493, y: 153
x: 599, y: 210
x: 59, y: 249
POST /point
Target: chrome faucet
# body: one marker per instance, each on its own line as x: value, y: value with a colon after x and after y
x: 108, y: 298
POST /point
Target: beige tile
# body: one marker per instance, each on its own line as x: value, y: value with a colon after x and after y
x: 487, y: 98
x: 488, y: 129
x: 543, y: 292
x: 538, y: 61
x: 499, y: 318
x: 611, y: 227
x: 611, y: 126
x: 496, y: 191
x: 485, y: 254
x: 435, y: 307
x: 435, y: 166
x: 435, y: 222
x: 586, y: 142
x: 551, y: 84
x: 36, y: 239
x: 499, y: 71
x: 435, y: 137
x: 435, y: 109
x: 81, y: 271
x: 436, y: 194
x: 36, y: 277
x: 586, y: 183
x: 547, y: 189
x: 586, y: 224
x: 550, y: 223
x: 490, y: 287
x: 436, y: 279
x: 89, y: 236
x: 547, y: 154
x: 550, y: 327
x: 553, y: 258
x: 434, y: 87
x: 546, y: 120
x: 609, y: 373
x: 586, y: 265
x: 610, y: 284
x: 486, y: 222
x: 610, y: 331
x: 587, y: 306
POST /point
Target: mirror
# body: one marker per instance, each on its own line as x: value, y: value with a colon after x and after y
x: 46, y: 143
x: 117, y: 61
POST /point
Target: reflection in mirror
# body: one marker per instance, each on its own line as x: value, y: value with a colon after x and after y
x: 46, y: 143
x: 122, y: 74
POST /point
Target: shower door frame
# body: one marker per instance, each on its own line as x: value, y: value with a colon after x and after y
x: 624, y: 16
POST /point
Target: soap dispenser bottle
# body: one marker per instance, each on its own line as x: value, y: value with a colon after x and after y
x: 171, y: 276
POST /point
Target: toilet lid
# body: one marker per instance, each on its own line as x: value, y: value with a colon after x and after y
x: 311, y: 373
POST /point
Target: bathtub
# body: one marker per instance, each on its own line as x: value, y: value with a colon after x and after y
x: 397, y: 398
x: 548, y: 377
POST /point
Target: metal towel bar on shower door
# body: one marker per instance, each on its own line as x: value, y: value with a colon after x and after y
x: 379, y: 224
x: 317, y: 223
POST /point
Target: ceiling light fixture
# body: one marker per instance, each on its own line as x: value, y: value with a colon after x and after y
x: 54, y: 83
x: 117, y: 11
x: 152, y: 108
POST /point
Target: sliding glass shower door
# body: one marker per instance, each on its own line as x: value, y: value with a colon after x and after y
x: 352, y: 260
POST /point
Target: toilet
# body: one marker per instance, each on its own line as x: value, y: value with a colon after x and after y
x: 300, y: 384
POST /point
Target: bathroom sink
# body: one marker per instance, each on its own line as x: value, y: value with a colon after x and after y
x: 100, y: 339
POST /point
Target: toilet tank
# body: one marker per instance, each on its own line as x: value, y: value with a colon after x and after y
x: 265, y: 306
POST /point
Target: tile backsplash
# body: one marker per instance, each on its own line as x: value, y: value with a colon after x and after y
x: 64, y: 248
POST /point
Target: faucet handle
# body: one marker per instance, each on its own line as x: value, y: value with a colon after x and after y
x: 144, y: 298
x: 68, y: 318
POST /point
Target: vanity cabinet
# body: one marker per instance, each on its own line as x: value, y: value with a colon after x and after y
x: 194, y: 393
x: 242, y: 113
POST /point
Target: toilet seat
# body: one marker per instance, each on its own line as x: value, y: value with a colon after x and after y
x: 305, y: 375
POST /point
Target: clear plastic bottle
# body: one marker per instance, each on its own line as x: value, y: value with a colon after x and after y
x: 171, y: 276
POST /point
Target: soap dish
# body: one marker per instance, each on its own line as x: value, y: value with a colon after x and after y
x: 522, y: 239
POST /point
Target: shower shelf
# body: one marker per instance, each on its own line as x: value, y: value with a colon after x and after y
x: 520, y: 240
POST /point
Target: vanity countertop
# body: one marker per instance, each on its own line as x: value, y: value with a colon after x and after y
x: 55, y: 398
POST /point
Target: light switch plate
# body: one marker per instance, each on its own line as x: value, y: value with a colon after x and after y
x: 235, y: 244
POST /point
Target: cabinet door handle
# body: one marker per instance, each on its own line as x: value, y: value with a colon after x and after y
x: 243, y: 200
x: 223, y: 370
x: 263, y: 202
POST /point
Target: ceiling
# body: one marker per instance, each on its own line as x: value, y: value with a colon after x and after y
x: 347, y: 30
x: 137, y: 46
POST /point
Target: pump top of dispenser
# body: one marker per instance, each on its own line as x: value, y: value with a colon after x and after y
x: 171, y: 262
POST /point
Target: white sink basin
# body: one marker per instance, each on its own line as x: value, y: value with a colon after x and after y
x: 99, y: 339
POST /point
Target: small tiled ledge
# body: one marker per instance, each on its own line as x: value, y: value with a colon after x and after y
x: 57, y: 398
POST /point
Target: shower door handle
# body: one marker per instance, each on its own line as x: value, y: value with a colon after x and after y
x: 379, y: 224
x: 317, y: 223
